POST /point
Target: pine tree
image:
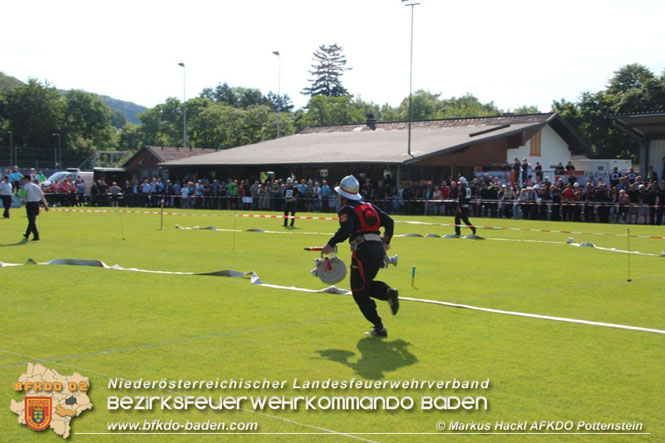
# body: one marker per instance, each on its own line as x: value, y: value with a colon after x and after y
x: 328, y: 67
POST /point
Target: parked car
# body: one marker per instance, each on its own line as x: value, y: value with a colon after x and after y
x: 73, y: 173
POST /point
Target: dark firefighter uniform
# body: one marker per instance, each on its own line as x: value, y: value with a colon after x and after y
x: 360, y: 222
x: 291, y: 194
x: 462, y: 212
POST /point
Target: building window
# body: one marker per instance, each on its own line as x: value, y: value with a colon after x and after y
x: 535, y: 145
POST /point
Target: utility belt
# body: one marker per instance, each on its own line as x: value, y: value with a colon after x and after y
x: 362, y: 238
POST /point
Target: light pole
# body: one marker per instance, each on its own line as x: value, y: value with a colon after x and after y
x: 184, y: 107
x: 11, y: 147
x: 410, y: 75
x: 279, y: 75
x: 55, y: 151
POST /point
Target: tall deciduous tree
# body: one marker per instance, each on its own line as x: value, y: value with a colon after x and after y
x: 162, y: 125
x: 34, y: 111
x: 87, y: 120
x: 323, y: 110
x: 632, y: 89
x: 426, y: 106
x: 328, y: 67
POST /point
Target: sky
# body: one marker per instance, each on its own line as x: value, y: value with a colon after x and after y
x: 510, y: 52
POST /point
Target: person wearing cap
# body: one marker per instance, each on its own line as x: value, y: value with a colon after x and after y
x: 361, y: 222
x: 33, y: 195
x: 6, y: 193
x: 291, y: 194
x: 463, y: 202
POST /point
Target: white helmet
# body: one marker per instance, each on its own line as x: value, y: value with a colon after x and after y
x: 349, y: 188
x: 289, y: 180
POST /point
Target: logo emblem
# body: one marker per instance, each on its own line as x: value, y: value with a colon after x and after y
x: 38, y: 412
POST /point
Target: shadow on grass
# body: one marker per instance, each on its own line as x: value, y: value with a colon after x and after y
x: 20, y: 242
x: 376, y: 357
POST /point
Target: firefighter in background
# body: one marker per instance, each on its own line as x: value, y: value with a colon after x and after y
x: 463, y: 202
x: 291, y: 194
x: 361, y: 222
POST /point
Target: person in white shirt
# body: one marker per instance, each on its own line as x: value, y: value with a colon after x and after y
x: 6, y: 193
x: 33, y: 195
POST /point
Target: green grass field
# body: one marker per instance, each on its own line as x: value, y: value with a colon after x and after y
x: 106, y: 323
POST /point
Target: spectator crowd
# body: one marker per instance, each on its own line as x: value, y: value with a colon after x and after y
x: 520, y: 191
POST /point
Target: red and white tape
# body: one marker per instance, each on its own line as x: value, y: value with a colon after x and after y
x: 308, y: 217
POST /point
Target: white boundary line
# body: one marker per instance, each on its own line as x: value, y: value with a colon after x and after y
x: 255, y: 280
x: 543, y: 317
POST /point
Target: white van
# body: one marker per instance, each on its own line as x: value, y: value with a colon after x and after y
x: 74, y: 173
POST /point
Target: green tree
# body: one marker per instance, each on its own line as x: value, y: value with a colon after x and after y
x: 424, y: 106
x: 249, y: 97
x: 222, y: 93
x: 217, y: 126
x: 130, y: 138
x: 328, y: 67
x: 87, y: 120
x: 195, y: 107
x: 118, y: 119
x: 633, y: 76
x: 34, y: 111
x: 427, y: 106
x: 324, y: 110
x: 238, y: 97
x: 162, y: 125
x: 388, y: 114
x: 526, y: 109
x: 632, y: 89
x: 282, y: 102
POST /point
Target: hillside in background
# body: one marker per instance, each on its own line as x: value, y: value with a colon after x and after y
x: 8, y: 82
x: 131, y: 110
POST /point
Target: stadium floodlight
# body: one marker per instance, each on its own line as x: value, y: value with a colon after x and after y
x: 279, y: 74
x: 412, y: 4
x: 11, y: 147
x: 184, y: 106
x: 55, y: 150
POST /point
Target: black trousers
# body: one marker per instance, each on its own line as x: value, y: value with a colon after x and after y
x: 290, y: 207
x: 366, y: 261
x: 6, y: 203
x: 462, y: 214
x: 32, y: 209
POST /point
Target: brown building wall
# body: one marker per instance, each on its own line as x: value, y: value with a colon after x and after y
x: 144, y: 159
x: 478, y: 155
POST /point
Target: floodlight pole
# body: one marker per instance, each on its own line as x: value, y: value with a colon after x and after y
x: 11, y: 147
x: 410, y: 77
x: 184, y: 107
x: 279, y: 75
x: 55, y: 152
